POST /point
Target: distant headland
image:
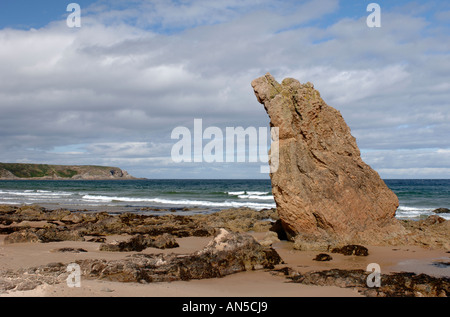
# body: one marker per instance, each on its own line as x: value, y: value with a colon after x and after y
x: 59, y: 172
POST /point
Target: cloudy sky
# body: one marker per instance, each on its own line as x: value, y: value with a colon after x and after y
x: 112, y: 91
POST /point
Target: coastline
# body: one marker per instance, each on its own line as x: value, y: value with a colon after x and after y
x: 253, y: 283
x: 418, y: 198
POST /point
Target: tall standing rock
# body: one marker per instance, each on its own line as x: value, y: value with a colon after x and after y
x: 325, y: 194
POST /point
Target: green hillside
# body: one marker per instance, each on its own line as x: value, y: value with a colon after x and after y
x: 46, y: 171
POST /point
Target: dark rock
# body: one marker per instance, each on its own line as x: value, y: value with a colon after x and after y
x: 441, y: 211
x: 278, y: 228
x: 334, y: 277
x: 97, y: 239
x: 392, y: 285
x: 352, y: 249
x: 7, y: 209
x: 73, y: 218
x: 433, y: 219
x: 5, y: 222
x: 135, y: 243
x: 24, y: 236
x: 284, y: 271
x: 323, y: 257
x: 11, y: 229
x: 57, y: 215
x: 70, y: 250
x: 55, y: 235
x: 32, y: 213
x: 140, y: 242
x: 164, y: 241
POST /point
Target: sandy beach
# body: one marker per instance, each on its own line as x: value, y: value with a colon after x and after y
x: 259, y: 283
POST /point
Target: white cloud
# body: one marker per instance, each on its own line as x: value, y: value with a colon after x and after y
x: 120, y: 87
x: 414, y: 173
x: 414, y: 163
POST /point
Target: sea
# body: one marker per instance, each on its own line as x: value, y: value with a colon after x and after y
x: 418, y: 197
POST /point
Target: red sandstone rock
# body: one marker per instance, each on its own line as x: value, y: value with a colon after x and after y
x: 325, y: 193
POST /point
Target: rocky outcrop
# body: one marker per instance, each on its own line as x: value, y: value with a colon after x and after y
x: 226, y: 254
x: 43, y: 235
x: 55, y: 225
x: 37, y: 224
x: 352, y: 249
x: 433, y: 231
x: 140, y: 242
x: 76, y: 172
x: 441, y: 211
x: 325, y: 194
x: 23, y: 236
x: 322, y: 257
x: 391, y: 285
x: 30, y: 278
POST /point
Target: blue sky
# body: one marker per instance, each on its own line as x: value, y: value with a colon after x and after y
x: 112, y: 91
x: 26, y: 14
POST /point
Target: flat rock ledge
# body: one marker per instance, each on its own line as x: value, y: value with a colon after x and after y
x: 37, y: 224
x: 402, y: 284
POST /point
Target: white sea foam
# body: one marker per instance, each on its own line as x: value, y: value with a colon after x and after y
x: 101, y: 198
x: 270, y: 197
x: 412, y: 209
x: 36, y: 193
x: 415, y: 212
x: 243, y: 192
x: 257, y: 193
x: 236, y: 193
x: 214, y: 204
x: 9, y: 202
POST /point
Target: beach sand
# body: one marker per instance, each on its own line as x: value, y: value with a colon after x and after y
x: 259, y: 283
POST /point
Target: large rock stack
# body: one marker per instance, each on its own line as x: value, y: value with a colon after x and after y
x: 325, y: 193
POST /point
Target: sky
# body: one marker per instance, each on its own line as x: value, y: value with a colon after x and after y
x: 112, y: 91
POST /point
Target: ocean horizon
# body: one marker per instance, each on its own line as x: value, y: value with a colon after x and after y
x: 418, y: 197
